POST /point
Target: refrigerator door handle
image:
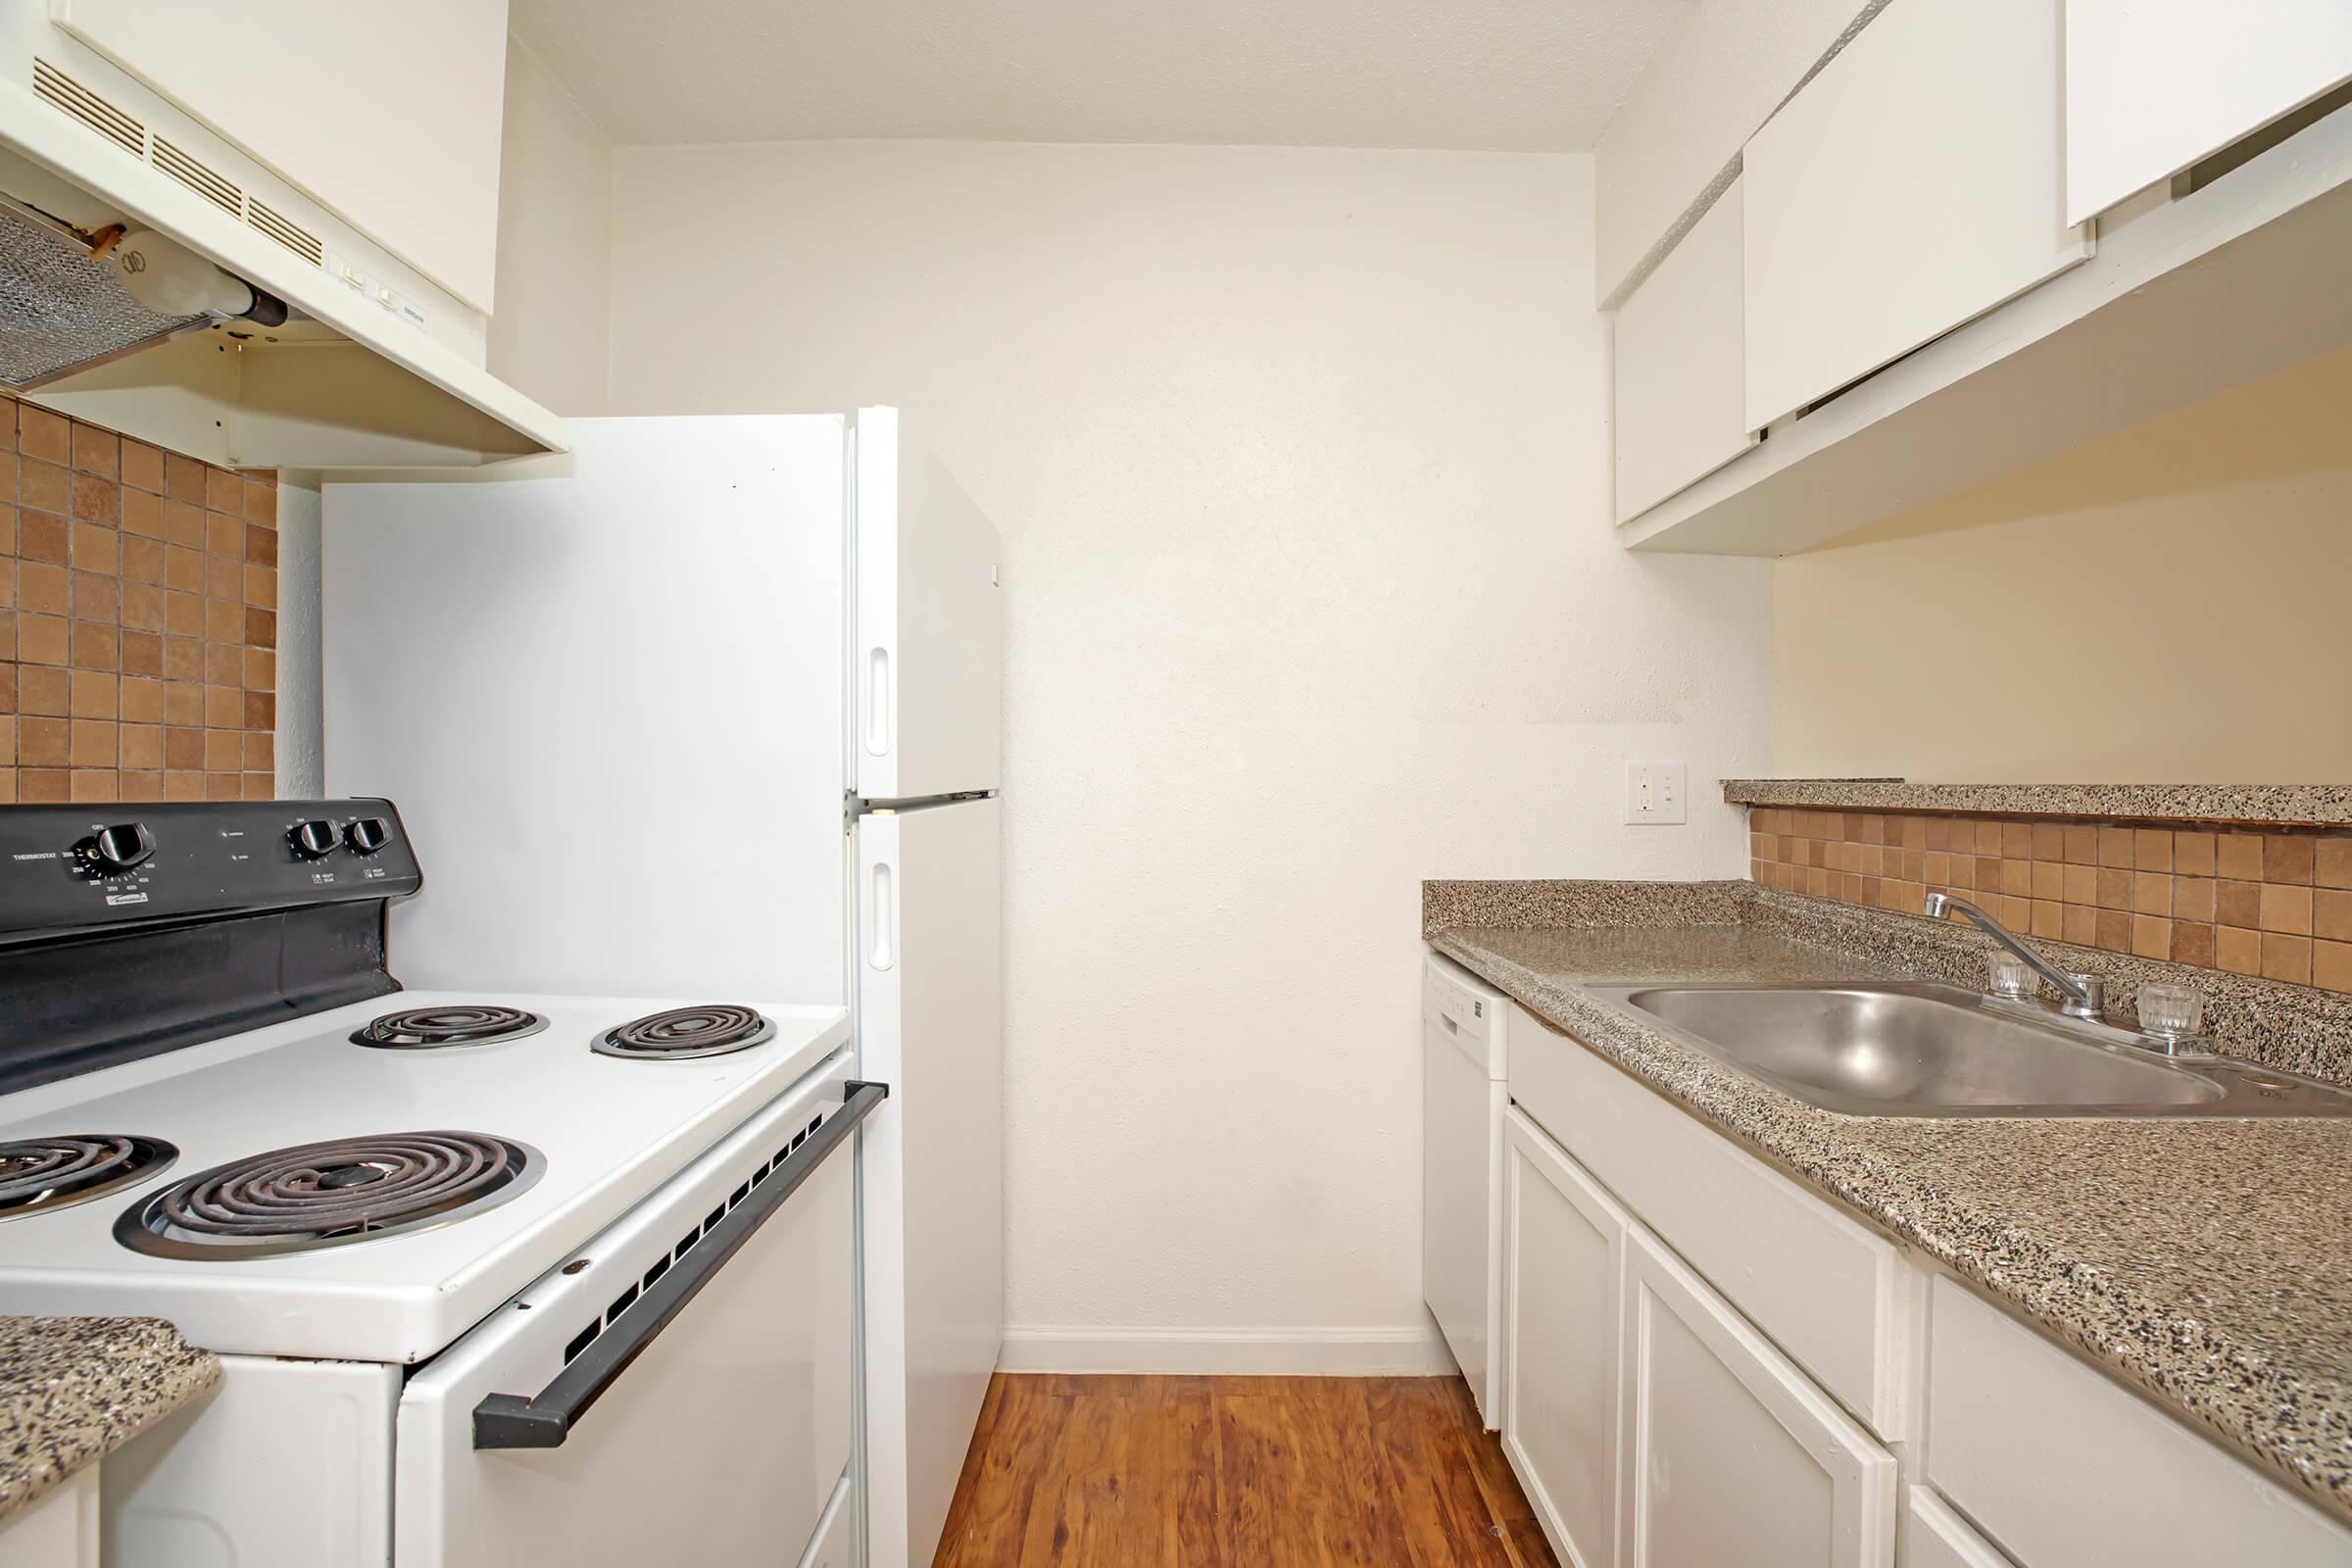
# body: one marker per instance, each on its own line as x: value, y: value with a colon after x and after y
x: 877, y: 701
x: 881, y: 917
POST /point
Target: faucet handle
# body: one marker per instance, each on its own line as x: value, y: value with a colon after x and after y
x: 2010, y: 976
x: 2170, y: 1012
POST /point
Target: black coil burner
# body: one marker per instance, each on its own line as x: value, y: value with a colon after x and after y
x: 39, y: 1174
x: 436, y: 1028
x: 683, y: 1033
x: 330, y: 1195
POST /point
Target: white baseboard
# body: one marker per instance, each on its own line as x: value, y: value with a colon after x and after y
x: 1230, y: 1352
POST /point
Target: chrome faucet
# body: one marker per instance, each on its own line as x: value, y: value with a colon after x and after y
x: 2083, y: 996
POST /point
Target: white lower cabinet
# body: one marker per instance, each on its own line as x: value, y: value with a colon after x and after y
x: 60, y: 1530
x: 1728, y: 1454
x: 2067, y: 1468
x: 1701, y: 1361
x: 1935, y: 1536
x: 1650, y: 1423
x: 834, y: 1544
x: 1563, y: 1274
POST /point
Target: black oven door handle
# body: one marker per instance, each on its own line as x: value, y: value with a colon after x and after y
x: 512, y: 1421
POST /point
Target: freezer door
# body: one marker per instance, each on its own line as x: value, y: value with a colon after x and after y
x: 607, y: 692
x: 925, y: 659
x: 931, y: 1156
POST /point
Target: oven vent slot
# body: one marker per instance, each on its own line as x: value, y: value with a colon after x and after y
x: 662, y: 1261
x: 199, y: 177
x: 63, y: 92
x: 292, y: 235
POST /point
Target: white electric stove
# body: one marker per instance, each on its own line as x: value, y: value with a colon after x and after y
x: 494, y: 1277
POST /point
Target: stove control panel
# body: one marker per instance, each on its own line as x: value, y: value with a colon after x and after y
x: 66, y: 869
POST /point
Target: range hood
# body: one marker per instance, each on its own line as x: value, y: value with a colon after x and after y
x: 156, y: 280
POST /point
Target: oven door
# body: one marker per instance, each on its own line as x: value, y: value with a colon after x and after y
x: 679, y: 1390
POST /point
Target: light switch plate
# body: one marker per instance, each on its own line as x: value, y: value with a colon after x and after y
x: 1653, y: 793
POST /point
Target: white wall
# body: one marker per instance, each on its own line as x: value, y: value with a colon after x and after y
x: 1299, y: 460
x: 301, y: 698
x: 555, y: 237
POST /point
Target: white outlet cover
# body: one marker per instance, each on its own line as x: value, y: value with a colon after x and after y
x: 1655, y: 793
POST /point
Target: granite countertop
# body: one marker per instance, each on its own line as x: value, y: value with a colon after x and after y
x: 72, y: 1390
x: 2281, y: 805
x: 2209, y: 1262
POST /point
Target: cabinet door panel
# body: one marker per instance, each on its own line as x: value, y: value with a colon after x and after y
x: 390, y: 115
x: 1565, y: 1259
x: 1680, y: 399
x: 1917, y: 182
x: 1934, y: 1537
x: 1728, y: 1454
x: 2153, y: 85
x: 2064, y: 1465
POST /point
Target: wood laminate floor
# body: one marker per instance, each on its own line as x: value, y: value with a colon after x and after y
x: 1198, y: 1472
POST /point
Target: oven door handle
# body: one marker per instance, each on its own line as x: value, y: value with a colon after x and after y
x: 512, y: 1421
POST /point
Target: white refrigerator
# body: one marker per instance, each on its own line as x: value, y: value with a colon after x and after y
x: 708, y: 709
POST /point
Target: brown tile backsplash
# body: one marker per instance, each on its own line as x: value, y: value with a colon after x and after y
x: 138, y: 619
x: 2268, y: 902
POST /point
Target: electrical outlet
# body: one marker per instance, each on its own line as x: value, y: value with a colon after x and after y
x: 1653, y: 793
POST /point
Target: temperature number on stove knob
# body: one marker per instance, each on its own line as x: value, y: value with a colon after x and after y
x: 313, y: 840
x: 114, y: 850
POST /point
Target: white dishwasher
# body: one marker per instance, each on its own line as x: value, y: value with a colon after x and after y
x: 1465, y: 1030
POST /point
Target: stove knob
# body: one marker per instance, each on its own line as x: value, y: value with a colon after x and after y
x: 118, y: 847
x: 368, y: 833
x: 311, y: 840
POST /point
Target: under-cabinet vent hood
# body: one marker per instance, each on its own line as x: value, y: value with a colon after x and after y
x: 156, y: 281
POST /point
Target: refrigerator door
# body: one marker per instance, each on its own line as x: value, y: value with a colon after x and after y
x: 925, y: 656
x: 932, y: 1156
x: 607, y: 692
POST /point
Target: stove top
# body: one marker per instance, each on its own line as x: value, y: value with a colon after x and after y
x: 276, y: 1246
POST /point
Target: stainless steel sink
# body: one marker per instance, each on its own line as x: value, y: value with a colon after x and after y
x: 1915, y: 1049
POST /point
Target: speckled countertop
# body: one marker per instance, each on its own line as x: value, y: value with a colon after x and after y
x: 72, y: 1390
x: 2297, y: 804
x: 2210, y: 1262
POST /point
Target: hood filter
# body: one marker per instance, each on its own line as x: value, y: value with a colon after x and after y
x: 61, y: 312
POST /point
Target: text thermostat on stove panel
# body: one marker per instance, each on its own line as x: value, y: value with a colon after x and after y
x: 100, y: 865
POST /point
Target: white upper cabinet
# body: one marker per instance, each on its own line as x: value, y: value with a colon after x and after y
x: 391, y: 115
x: 1918, y: 182
x: 1718, y: 75
x: 1680, y: 395
x: 2153, y: 85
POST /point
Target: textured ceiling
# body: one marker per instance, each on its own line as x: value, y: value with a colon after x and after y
x: 1506, y: 75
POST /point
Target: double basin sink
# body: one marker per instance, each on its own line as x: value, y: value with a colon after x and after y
x: 1919, y: 1048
